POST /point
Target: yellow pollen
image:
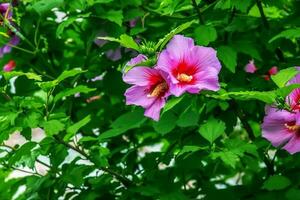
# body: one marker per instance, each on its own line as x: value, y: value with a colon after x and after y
x: 184, y: 78
x: 159, y: 90
x: 293, y: 127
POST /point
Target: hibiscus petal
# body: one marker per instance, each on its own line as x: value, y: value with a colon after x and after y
x: 293, y: 146
x: 136, y: 60
x: 296, y: 79
x: 273, y: 127
x: 207, y: 80
x: 205, y: 58
x: 137, y: 95
x: 179, y: 47
x: 167, y: 64
x: 154, y: 110
x: 139, y: 76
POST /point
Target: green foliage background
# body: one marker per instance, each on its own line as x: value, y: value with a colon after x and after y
x: 205, y: 146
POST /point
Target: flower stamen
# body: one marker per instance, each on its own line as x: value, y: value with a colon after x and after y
x: 159, y: 90
x: 292, y: 127
x: 184, y: 78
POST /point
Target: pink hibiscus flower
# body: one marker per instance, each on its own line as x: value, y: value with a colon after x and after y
x: 293, y: 99
x: 282, y: 128
x: 150, y: 89
x: 190, y: 68
x: 250, y: 67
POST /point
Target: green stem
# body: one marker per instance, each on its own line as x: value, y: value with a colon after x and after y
x: 247, y: 127
x: 126, y: 182
x: 200, y: 17
x: 21, y: 49
x: 262, y: 14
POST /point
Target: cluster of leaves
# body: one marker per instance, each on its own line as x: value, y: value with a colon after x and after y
x: 205, y: 146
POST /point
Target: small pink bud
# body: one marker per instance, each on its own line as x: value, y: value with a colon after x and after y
x: 273, y: 70
x: 9, y: 66
x: 250, y: 67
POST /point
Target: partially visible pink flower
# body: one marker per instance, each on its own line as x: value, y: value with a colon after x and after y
x: 150, y: 90
x: 273, y: 70
x: 7, y: 48
x: 191, y: 68
x: 133, y: 22
x: 282, y: 128
x: 293, y: 99
x: 134, y: 62
x: 250, y: 67
x: 114, y: 54
x: 5, y: 10
x: 9, y: 66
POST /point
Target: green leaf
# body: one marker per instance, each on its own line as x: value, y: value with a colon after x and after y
x: 276, y: 182
x: 212, y: 129
x: 125, y: 40
x: 205, y: 34
x: 228, y: 157
x: 293, y: 194
x: 44, y: 6
x: 75, y: 174
x: 125, y: 122
x: 172, y: 102
x: 284, y: 91
x: 68, y: 74
x: 111, y: 133
x: 188, y: 118
x: 29, y: 75
x: 46, y: 86
x: 92, y: 2
x: 248, y: 48
x: 190, y: 149
x: 72, y: 130
x: 72, y: 91
x: 241, y: 5
x: 66, y: 23
x: 229, y: 57
x: 165, y: 124
x: 128, y: 42
x: 162, y: 42
x: 53, y: 127
x: 24, y: 155
x: 267, y: 97
x: 283, y: 76
x: 288, y: 34
x: 115, y: 16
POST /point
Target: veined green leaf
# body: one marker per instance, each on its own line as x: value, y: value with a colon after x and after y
x: 162, y: 42
x: 125, y: 40
x: 284, y: 75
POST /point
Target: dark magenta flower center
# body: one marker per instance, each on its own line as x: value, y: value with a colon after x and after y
x: 159, y: 90
x: 158, y: 86
x: 184, y: 73
x: 293, y: 127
